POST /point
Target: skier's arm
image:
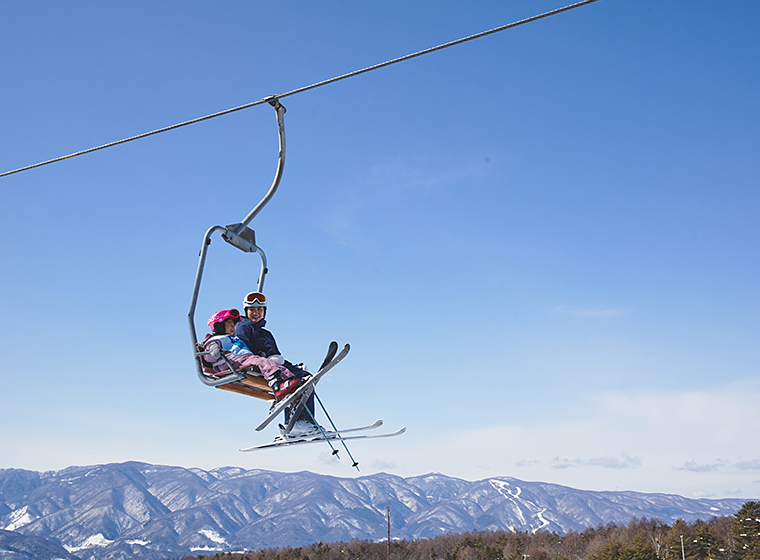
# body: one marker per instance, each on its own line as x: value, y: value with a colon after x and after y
x: 244, y: 331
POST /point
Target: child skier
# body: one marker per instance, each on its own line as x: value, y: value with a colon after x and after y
x: 223, y: 342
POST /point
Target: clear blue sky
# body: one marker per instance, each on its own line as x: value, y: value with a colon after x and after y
x: 542, y: 245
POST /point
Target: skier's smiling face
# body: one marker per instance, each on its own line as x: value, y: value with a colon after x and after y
x: 229, y: 326
x: 255, y: 314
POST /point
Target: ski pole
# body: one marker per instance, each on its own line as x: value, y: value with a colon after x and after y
x: 334, y: 427
x: 322, y: 430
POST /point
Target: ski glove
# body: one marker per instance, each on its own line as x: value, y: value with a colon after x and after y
x: 215, y: 351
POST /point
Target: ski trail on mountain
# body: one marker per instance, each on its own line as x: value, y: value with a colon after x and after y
x: 505, y: 489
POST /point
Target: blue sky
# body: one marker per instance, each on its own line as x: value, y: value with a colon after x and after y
x: 542, y: 245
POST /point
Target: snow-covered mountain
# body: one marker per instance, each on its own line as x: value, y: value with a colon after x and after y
x: 15, y: 546
x: 152, y: 512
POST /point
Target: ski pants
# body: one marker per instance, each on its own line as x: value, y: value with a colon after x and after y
x: 267, y: 367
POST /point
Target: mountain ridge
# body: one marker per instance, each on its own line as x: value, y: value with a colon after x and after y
x: 134, y: 509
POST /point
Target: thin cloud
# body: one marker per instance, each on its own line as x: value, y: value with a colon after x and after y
x: 719, y: 464
x: 623, y: 462
x: 401, y: 179
x: 558, y: 463
x: 593, y: 313
x: 693, y: 466
x: 381, y: 465
x: 327, y: 458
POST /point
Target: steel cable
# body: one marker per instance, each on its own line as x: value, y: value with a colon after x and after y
x: 307, y: 88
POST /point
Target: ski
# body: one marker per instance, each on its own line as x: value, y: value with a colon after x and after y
x: 329, y: 433
x: 298, y: 405
x: 331, y: 351
x: 286, y: 443
x: 332, y: 433
x: 309, y: 385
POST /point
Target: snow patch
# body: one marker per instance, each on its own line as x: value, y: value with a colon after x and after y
x: 19, y: 518
x: 408, y: 502
x: 137, y: 541
x: 97, y: 540
x: 212, y: 536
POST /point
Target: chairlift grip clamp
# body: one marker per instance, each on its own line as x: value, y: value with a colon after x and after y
x: 274, y: 101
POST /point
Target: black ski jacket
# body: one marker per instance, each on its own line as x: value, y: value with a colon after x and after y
x: 259, y: 340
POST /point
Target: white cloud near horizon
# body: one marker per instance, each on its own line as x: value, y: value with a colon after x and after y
x: 695, y: 443
x: 719, y: 464
x: 623, y: 462
x: 720, y: 415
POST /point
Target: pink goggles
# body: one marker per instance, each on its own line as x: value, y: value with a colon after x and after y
x: 222, y: 316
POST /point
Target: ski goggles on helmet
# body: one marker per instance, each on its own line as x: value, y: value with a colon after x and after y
x: 222, y: 316
x: 255, y: 299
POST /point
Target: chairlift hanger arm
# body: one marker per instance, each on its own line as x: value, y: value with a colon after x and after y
x: 238, y: 234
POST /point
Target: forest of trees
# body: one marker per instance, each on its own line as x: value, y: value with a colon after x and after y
x: 734, y: 537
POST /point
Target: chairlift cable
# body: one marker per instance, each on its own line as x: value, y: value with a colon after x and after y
x: 269, y: 98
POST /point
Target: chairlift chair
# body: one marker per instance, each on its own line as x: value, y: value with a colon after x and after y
x: 247, y: 381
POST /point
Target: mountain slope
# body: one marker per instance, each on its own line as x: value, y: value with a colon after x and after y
x: 152, y: 511
x: 15, y: 546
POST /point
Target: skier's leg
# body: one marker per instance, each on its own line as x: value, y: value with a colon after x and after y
x: 305, y: 415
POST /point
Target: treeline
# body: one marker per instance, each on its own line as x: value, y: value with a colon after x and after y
x: 734, y: 537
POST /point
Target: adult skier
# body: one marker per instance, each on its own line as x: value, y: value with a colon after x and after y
x: 262, y: 342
